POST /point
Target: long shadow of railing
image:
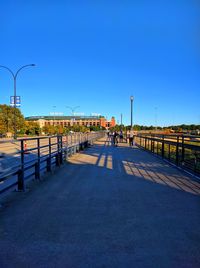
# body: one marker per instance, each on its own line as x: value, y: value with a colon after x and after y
x: 137, y: 163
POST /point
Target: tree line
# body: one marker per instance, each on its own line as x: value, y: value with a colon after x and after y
x: 32, y: 128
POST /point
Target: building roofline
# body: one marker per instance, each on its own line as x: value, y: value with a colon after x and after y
x: 67, y: 117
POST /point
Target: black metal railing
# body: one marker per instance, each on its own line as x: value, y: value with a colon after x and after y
x: 34, y: 156
x: 182, y: 150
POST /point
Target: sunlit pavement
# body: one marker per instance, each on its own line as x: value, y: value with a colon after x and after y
x: 108, y: 207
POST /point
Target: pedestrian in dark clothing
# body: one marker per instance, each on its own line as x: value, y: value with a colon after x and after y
x: 115, y: 141
x: 131, y: 138
x: 121, y: 136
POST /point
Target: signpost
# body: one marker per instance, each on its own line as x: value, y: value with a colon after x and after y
x: 15, y: 101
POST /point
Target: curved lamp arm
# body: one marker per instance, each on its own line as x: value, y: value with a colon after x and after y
x: 1, y: 66
x: 27, y: 65
x: 15, y: 75
x: 72, y: 108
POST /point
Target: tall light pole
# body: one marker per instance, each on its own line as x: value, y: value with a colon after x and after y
x: 131, y: 99
x: 156, y: 109
x: 14, y: 75
x: 54, y: 114
x: 73, y: 108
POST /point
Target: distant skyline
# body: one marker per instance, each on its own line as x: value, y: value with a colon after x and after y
x: 96, y: 54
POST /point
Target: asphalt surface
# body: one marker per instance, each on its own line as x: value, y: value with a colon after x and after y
x: 108, y: 207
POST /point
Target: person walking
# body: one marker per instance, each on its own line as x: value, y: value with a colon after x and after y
x: 131, y: 135
x: 115, y: 140
x: 121, y: 136
x: 108, y: 140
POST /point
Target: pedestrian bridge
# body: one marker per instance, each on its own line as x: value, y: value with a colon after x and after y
x: 106, y: 207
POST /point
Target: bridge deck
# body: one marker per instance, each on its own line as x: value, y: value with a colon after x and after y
x: 109, y: 207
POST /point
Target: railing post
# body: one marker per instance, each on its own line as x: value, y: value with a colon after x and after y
x: 163, y: 146
x: 37, y: 164
x: 58, y: 153
x: 157, y: 146
x: 37, y: 171
x: 145, y: 142
x: 153, y: 146
x: 195, y: 162
x: 151, y: 143
x: 57, y: 160
x: 183, y: 150
x: 20, y: 179
x: 61, y: 150
x: 49, y: 157
x: 177, y: 151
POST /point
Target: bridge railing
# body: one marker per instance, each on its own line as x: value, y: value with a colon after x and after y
x: 37, y: 155
x: 182, y: 150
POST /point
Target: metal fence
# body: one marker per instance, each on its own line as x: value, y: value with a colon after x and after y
x: 182, y: 150
x: 30, y: 157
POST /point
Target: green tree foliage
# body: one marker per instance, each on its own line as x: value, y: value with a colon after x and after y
x: 53, y: 130
x: 96, y: 128
x: 31, y: 128
x: 7, y: 119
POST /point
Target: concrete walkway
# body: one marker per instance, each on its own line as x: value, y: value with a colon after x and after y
x: 108, y: 207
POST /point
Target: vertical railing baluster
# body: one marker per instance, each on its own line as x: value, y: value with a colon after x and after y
x: 37, y: 164
x: 177, y: 151
x: 20, y: 181
x: 163, y: 146
x: 49, y: 157
x: 183, y: 151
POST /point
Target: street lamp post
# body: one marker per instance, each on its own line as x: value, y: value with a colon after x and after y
x: 54, y: 115
x: 156, y: 118
x: 131, y: 98
x: 73, y: 108
x: 14, y: 75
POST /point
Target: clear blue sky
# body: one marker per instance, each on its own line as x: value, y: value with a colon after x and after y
x: 97, y: 53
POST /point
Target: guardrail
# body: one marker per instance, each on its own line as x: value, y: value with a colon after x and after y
x: 181, y: 150
x: 36, y: 155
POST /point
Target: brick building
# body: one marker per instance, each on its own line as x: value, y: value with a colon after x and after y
x: 66, y: 121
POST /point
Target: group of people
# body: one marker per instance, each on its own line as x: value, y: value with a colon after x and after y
x: 115, y: 137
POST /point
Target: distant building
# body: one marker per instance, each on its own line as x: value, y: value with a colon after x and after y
x: 66, y: 121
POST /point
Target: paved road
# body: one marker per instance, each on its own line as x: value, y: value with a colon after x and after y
x: 108, y: 207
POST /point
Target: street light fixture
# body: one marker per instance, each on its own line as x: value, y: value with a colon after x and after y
x: 73, y: 108
x: 131, y: 99
x: 14, y: 75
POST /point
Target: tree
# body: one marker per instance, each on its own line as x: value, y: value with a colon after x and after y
x: 31, y: 128
x: 7, y: 119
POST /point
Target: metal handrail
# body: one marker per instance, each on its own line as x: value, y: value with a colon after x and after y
x: 182, y: 150
x: 58, y: 151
